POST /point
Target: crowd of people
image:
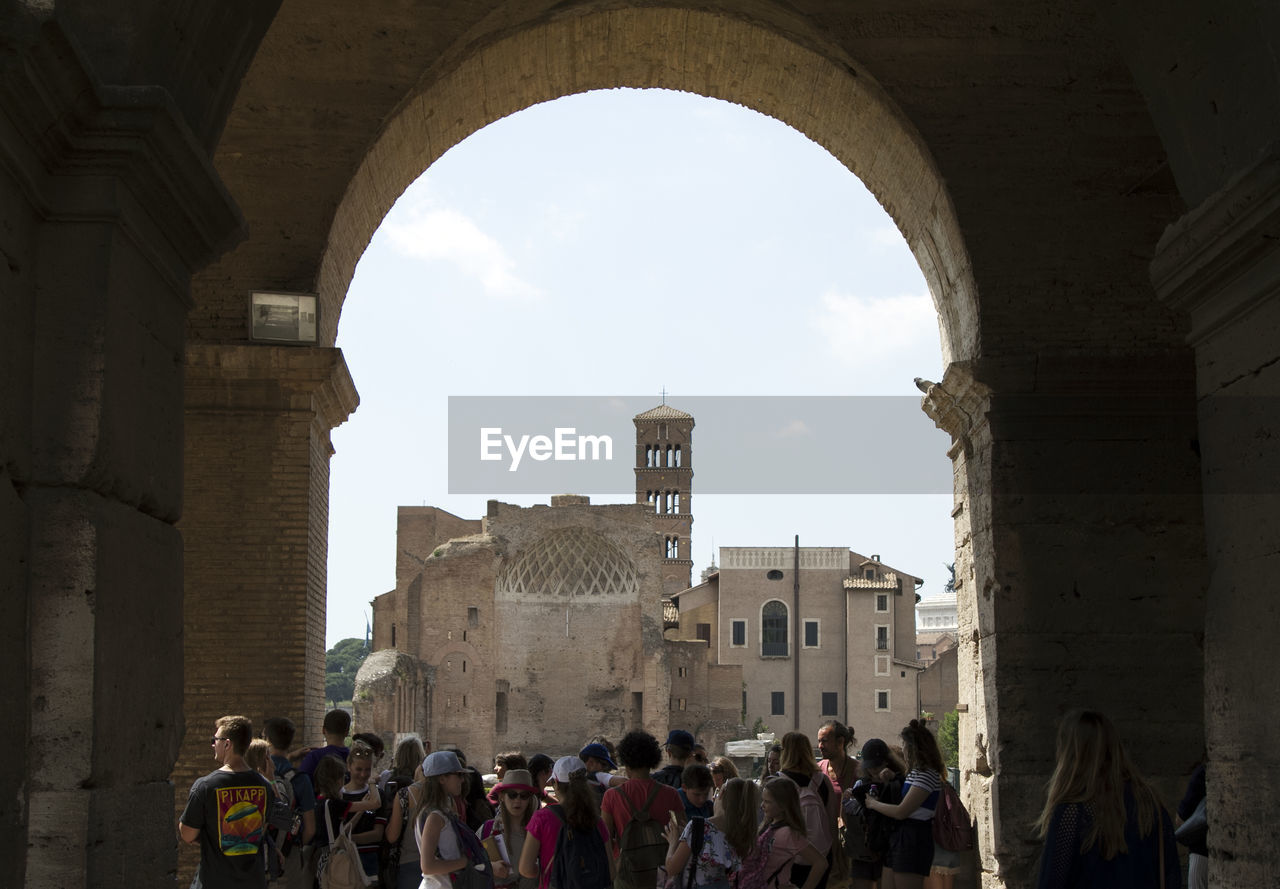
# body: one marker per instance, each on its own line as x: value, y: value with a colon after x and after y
x: 644, y: 815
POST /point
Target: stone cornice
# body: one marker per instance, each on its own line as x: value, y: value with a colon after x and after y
x: 956, y: 403
x: 248, y: 378
x: 1221, y: 260
x: 82, y: 151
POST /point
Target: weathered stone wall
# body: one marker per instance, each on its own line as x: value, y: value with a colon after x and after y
x: 1073, y: 577
x: 108, y: 206
x: 255, y: 538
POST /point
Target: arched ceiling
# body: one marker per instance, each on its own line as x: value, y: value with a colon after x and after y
x: 1008, y: 142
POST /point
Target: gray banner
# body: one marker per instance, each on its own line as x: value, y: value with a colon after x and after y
x: 740, y: 445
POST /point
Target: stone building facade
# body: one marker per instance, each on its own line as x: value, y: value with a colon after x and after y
x: 818, y: 632
x: 535, y: 628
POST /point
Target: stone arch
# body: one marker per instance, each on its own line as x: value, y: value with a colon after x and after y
x: 829, y: 98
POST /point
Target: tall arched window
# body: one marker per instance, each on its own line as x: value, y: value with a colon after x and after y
x: 773, y: 629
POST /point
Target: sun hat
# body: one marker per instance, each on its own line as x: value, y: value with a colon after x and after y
x: 875, y: 752
x: 442, y: 762
x: 600, y: 752
x: 517, y: 779
x: 565, y: 767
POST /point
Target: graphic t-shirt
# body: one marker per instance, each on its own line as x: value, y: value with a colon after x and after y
x: 230, y: 811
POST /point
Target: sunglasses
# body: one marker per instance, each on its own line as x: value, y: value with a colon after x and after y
x: 518, y: 794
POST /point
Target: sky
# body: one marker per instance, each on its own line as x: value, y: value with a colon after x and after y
x: 627, y: 243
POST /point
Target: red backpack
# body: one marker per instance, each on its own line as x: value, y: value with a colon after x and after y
x: 952, y: 826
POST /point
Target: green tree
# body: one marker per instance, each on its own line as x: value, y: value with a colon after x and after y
x: 341, y: 663
x: 949, y: 739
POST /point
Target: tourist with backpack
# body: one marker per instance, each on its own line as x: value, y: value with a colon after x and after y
x: 566, y: 843
x: 280, y: 732
x: 867, y: 833
x: 338, y: 860
x: 710, y: 850
x: 780, y: 843
x: 401, y: 787
x: 450, y: 856
x: 636, y: 813
x: 911, y: 847
x: 819, y: 801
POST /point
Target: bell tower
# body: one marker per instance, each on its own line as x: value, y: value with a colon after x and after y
x: 664, y: 481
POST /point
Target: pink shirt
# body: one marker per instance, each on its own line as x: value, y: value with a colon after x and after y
x: 787, y: 846
x: 544, y: 826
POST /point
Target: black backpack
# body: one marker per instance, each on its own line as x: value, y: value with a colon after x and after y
x: 581, y: 860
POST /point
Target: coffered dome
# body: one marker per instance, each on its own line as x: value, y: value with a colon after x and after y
x: 570, y: 563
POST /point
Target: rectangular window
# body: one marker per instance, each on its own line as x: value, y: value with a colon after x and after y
x: 680, y: 671
x: 882, y: 637
x: 882, y: 699
x: 778, y: 703
x: 473, y: 616
x: 811, y: 634
x: 739, y: 637
x: 882, y: 602
x: 500, y: 713
x: 882, y: 665
x: 703, y: 632
x: 682, y: 702
x: 871, y: 574
x: 830, y: 701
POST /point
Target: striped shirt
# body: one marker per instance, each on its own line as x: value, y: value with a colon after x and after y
x: 930, y: 781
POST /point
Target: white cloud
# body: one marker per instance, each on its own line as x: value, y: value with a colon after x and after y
x: 794, y: 429
x: 861, y: 330
x: 441, y: 234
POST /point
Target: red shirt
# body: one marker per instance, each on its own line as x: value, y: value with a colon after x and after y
x: 638, y: 790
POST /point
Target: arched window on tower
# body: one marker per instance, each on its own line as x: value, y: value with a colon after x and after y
x: 677, y: 455
x: 773, y: 629
x: 673, y: 547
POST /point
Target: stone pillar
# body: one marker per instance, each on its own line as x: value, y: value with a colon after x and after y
x: 1221, y: 265
x: 255, y: 534
x: 1080, y: 573
x: 108, y: 206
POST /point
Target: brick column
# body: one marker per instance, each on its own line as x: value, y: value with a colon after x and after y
x: 108, y: 204
x: 1080, y: 572
x: 255, y: 533
x: 1221, y: 265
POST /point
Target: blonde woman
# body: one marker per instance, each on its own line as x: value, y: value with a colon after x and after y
x: 799, y: 765
x: 1103, y: 826
x: 781, y: 841
x: 439, y: 847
